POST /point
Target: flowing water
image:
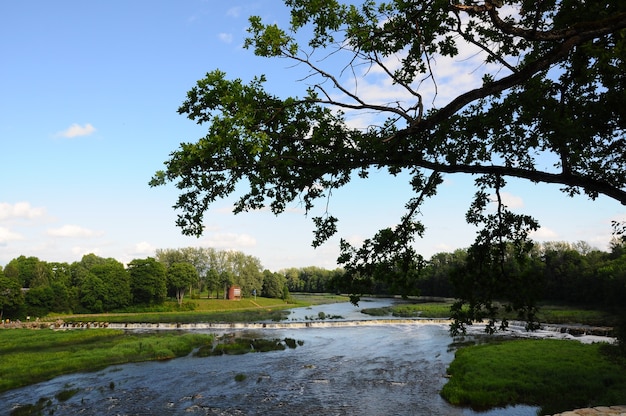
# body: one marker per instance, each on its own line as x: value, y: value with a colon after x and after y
x: 392, y: 369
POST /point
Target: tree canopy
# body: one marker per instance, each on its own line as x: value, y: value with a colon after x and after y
x: 179, y: 277
x: 148, y: 281
x: 547, y: 108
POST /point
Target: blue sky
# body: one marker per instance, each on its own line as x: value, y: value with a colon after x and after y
x: 89, y: 94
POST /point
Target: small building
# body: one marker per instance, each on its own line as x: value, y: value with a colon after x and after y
x: 234, y: 293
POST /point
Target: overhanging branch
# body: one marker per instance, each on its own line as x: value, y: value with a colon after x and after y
x: 577, y: 36
x: 600, y: 187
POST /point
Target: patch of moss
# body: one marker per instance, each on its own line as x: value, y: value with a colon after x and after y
x: 65, y: 395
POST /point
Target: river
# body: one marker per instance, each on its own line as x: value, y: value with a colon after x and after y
x: 392, y: 369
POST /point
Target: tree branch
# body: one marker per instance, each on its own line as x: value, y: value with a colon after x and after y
x: 534, y: 176
x: 517, y: 78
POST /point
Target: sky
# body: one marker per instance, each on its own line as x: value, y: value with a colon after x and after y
x: 89, y: 92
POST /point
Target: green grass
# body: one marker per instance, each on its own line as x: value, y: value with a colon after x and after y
x: 308, y: 299
x: 427, y: 310
x: 31, y: 356
x: 556, y: 375
x: 196, y: 310
x: 413, y: 310
x: 556, y: 314
x: 208, y: 310
x: 553, y: 314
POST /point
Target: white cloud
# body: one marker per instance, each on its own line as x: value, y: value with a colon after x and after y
x: 544, y: 233
x: 7, y: 235
x: 225, y: 37
x: 79, y: 252
x: 144, y: 248
x: 73, y: 231
x: 355, y: 239
x: 229, y: 241
x: 76, y: 130
x: 22, y: 210
x: 443, y: 248
x: 510, y: 200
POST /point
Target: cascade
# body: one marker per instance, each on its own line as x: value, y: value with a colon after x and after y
x: 275, y: 325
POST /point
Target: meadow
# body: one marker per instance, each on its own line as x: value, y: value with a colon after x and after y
x: 557, y: 375
x: 30, y: 356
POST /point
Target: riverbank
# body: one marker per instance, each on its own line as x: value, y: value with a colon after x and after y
x: 345, y: 317
x: 554, y: 374
x: 30, y: 357
x: 596, y: 411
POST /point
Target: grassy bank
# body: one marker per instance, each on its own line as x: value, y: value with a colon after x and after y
x: 552, y: 314
x: 29, y: 356
x: 556, y: 375
x: 208, y: 310
x: 413, y: 310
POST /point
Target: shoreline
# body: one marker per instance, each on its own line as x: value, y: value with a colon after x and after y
x: 582, y: 333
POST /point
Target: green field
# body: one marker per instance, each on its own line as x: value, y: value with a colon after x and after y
x: 31, y: 356
x: 557, y: 375
x: 207, y: 310
x: 553, y: 314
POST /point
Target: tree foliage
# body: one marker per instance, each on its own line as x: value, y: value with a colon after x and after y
x: 179, y: 277
x: 547, y: 107
x: 29, y: 271
x: 217, y: 269
x: 106, y: 286
x: 274, y: 285
x: 148, y: 281
x: 11, y: 296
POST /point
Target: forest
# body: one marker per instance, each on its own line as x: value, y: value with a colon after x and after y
x: 30, y: 287
x: 555, y: 272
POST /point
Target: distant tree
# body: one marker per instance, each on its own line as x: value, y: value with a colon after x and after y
x: 435, y: 281
x: 246, y: 271
x: 80, y: 270
x: 212, y: 279
x: 273, y: 285
x: 29, y: 271
x: 226, y: 279
x: 117, y: 284
x: 38, y: 301
x: 179, y: 277
x: 11, y: 297
x: 148, y: 281
x: 65, y: 298
x: 104, y: 284
x: 93, y: 294
x: 545, y: 106
x: 61, y: 273
x: 292, y: 277
x: 286, y: 295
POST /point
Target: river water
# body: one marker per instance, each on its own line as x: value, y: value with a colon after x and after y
x: 392, y: 369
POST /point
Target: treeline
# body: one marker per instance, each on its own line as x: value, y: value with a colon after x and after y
x: 311, y: 279
x: 32, y: 287
x: 558, y: 272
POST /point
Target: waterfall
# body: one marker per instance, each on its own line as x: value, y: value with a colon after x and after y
x: 275, y: 325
